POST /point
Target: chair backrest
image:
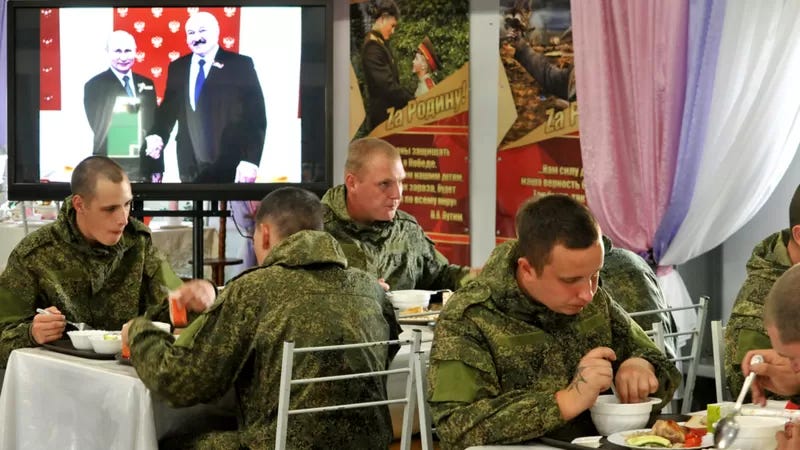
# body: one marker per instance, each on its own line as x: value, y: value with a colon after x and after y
x: 421, y: 364
x: 718, y: 348
x: 692, y: 358
x: 286, y: 383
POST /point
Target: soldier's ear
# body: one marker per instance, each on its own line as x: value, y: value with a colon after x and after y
x: 78, y: 203
x: 796, y: 234
x: 349, y: 180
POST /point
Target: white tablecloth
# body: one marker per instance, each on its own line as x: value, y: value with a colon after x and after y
x: 51, y: 400
x: 175, y: 243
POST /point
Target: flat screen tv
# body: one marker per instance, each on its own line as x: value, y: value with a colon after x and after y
x: 124, y: 79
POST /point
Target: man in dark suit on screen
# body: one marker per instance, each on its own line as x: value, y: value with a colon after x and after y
x: 120, y: 105
x: 216, y: 98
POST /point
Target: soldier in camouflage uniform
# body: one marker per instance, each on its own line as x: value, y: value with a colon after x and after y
x: 362, y: 215
x: 779, y: 371
x: 94, y: 264
x: 524, y: 350
x: 302, y: 292
x: 634, y: 286
x: 770, y: 259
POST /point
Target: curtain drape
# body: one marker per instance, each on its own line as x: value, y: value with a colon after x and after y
x: 630, y: 62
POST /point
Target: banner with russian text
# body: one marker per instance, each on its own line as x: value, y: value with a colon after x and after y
x: 538, y: 147
x: 410, y: 86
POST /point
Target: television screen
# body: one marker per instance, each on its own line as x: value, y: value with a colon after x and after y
x: 195, y: 100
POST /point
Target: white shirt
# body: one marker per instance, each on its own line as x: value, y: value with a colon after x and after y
x: 194, y: 67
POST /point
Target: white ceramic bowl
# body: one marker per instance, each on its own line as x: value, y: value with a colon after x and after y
x: 80, y: 339
x: 610, y: 416
x: 163, y: 326
x: 757, y: 433
x: 101, y: 343
x: 410, y: 298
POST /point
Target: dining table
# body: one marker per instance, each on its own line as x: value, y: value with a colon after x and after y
x: 52, y: 400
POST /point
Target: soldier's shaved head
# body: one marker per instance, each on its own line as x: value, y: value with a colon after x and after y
x: 782, y: 307
x: 85, y: 176
x: 543, y: 223
x: 290, y: 210
x: 364, y: 149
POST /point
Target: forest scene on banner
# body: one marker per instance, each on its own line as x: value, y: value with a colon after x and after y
x: 410, y: 86
x: 538, y: 146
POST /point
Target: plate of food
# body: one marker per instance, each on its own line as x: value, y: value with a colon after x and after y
x: 664, y: 434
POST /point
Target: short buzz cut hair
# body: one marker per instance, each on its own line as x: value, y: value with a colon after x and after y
x: 794, y: 208
x: 782, y: 307
x: 291, y: 209
x: 85, y: 176
x: 544, y: 222
x: 362, y: 150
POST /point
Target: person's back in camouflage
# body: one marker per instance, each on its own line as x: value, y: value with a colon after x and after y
x: 302, y: 292
x: 633, y: 284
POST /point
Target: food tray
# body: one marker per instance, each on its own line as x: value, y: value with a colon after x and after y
x: 65, y: 346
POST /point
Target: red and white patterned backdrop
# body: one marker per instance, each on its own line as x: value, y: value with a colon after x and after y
x: 160, y: 39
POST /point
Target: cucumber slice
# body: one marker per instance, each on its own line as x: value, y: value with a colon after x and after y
x: 649, y: 440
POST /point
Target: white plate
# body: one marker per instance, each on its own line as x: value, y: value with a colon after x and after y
x: 619, y: 439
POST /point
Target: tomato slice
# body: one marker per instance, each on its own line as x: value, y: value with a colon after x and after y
x: 693, y: 440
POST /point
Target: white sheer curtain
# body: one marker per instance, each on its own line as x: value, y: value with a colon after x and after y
x: 753, y: 132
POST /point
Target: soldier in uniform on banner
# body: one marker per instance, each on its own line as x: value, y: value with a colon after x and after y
x: 380, y: 67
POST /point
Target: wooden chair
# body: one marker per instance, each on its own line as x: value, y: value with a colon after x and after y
x: 219, y: 263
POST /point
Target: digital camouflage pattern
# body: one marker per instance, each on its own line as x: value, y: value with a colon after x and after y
x: 745, y: 329
x: 397, y: 251
x: 100, y: 285
x: 499, y: 357
x: 303, y: 292
x: 634, y: 286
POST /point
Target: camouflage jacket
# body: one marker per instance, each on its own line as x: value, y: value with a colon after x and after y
x: 745, y: 330
x: 100, y: 285
x: 303, y: 292
x: 499, y: 357
x: 633, y: 284
x: 397, y: 251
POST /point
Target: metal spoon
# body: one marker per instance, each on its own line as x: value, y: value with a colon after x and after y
x: 80, y: 326
x: 727, y: 427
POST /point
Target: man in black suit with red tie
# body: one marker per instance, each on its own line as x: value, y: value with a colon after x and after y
x: 221, y: 114
x: 119, y: 86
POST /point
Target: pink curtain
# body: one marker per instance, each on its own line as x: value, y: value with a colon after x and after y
x: 630, y: 59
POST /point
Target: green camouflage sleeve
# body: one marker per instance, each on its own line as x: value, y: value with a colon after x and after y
x: 630, y: 341
x: 745, y: 329
x: 438, y: 273
x: 18, y: 293
x: 465, y: 393
x: 209, y: 352
x: 159, y: 280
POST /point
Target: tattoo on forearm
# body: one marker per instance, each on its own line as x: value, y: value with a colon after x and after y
x: 577, y: 380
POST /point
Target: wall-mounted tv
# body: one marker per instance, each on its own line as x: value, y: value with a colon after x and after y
x: 197, y: 100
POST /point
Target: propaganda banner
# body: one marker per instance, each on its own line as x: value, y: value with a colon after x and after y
x: 538, y: 147
x: 410, y: 86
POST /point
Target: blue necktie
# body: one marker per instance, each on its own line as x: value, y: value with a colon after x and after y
x: 126, y: 79
x: 198, y: 84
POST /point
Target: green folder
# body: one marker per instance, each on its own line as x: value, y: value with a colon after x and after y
x: 124, y: 133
